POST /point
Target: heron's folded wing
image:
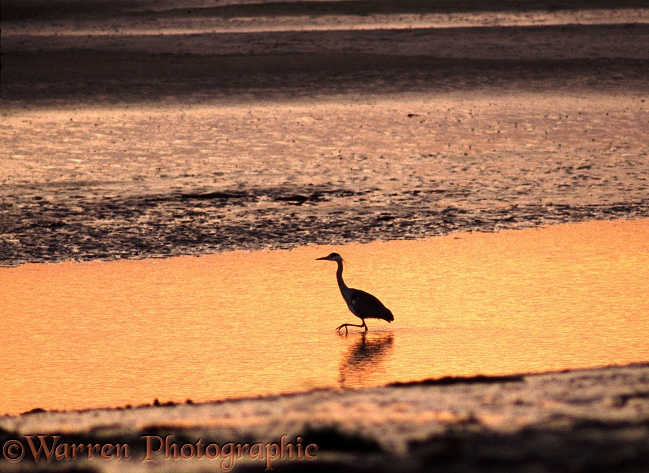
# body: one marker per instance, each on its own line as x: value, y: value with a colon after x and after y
x: 369, y: 306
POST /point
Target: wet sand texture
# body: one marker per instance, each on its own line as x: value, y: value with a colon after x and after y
x: 92, y: 184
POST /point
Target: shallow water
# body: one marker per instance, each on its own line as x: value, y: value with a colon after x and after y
x: 82, y: 335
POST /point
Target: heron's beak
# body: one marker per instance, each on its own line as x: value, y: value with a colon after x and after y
x: 324, y: 257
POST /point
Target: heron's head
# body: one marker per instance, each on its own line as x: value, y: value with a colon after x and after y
x: 331, y: 257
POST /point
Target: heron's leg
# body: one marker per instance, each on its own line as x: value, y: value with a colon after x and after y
x: 366, y: 329
x: 351, y: 325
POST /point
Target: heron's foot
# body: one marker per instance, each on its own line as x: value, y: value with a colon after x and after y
x: 352, y: 325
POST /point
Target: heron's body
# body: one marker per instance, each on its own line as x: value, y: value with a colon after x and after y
x: 362, y: 304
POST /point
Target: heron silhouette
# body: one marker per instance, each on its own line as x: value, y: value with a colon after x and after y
x: 362, y: 304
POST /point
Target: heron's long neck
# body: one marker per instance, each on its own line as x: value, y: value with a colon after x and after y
x: 341, y: 284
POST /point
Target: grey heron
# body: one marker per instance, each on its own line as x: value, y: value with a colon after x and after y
x: 362, y: 304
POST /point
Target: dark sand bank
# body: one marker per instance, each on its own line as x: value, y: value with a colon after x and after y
x: 38, y: 9
x: 31, y: 9
x: 568, y: 421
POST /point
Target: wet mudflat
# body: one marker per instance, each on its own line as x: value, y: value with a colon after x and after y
x: 110, y: 183
x: 133, y: 138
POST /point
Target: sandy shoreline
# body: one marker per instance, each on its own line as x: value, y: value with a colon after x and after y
x: 546, y: 422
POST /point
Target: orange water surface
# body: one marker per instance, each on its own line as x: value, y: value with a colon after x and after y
x: 102, y: 334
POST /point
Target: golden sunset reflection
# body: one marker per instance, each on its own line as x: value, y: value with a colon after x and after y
x: 103, y: 334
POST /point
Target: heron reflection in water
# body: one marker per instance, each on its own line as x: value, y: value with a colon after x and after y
x: 364, y: 359
x: 362, y: 304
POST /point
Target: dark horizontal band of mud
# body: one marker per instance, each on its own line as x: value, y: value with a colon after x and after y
x: 78, y: 228
x: 186, y: 69
x: 453, y: 380
x: 77, y: 78
x: 39, y: 9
